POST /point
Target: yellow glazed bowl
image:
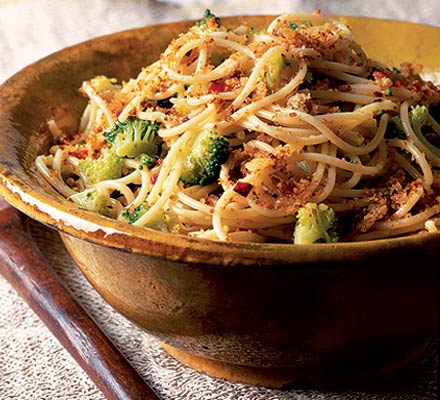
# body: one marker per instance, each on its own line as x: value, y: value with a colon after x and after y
x: 266, y: 314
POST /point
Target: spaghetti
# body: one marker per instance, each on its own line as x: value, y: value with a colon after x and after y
x: 306, y: 116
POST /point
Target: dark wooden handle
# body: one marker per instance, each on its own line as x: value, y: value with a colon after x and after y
x: 23, y: 265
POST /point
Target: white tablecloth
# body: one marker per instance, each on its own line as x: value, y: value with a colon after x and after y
x: 33, y: 365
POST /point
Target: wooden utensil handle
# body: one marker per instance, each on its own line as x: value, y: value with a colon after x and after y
x: 24, y: 266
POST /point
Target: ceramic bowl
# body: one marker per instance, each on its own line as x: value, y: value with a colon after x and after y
x: 266, y: 314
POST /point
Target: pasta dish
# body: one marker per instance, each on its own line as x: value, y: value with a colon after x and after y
x: 284, y: 134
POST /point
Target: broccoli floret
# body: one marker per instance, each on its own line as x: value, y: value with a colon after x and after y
x: 95, y: 199
x: 316, y: 223
x: 208, y: 152
x: 132, y: 215
x: 208, y: 20
x: 420, y: 118
x: 275, y: 68
x: 163, y: 222
x: 107, y: 166
x: 395, y: 129
x: 147, y: 160
x: 133, y: 137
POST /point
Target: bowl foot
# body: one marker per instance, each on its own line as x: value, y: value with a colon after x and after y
x: 292, y: 377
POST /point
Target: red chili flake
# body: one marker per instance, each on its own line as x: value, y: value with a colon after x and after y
x: 184, y: 119
x: 378, y: 75
x: 219, y: 87
x: 243, y: 188
x: 81, y: 154
x: 153, y: 178
x: 417, y: 85
x: 399, y: 83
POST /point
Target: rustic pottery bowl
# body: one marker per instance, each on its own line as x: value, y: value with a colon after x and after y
x: 264, y: 314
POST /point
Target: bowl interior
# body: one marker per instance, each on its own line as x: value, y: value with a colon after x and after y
x: 49, y: 88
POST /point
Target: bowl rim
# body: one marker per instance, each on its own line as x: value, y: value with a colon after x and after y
x: 67, y: 218
x: 103, y: 231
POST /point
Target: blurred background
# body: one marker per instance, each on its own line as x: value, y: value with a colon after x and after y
x: 31, y: 29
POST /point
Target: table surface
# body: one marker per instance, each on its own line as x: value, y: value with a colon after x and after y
x: 33, y: 365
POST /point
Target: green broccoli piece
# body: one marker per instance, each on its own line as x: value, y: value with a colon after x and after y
x: 316, y: 223
x: 254, y: 31
x: 207, y: 153
x: 217, y: 58
x: 295, y: 27
x: 133, y: 137
x: 395, y: 129
x: 208, y: 16
x: 273, y: 76
x: 307, y: 81
x: 132, y: 215
x: 107, y: 166
x: 420, y: 118
x: 147, y: 160
x: 95, y: 199
x: 163, y: 222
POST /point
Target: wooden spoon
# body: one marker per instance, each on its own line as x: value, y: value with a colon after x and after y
x: 26, y: 269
